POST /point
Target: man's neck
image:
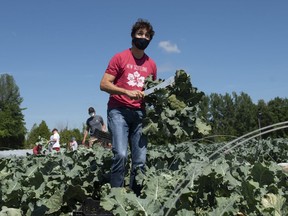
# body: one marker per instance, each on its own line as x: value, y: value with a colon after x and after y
x: 137, y: 53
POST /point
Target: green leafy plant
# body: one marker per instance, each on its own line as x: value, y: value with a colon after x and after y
x: 173, y: 112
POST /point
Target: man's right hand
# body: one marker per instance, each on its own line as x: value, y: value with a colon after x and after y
x: 135, y: 94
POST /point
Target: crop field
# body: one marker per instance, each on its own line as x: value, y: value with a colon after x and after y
x: 184, y: 176
x: 189, y: 178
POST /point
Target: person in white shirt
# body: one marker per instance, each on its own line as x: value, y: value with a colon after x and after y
x: 73, y: 144
x: 55, y: 140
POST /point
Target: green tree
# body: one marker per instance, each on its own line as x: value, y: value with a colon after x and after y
x: 230, y: 115
x: 222, y: 116
x: 245, y: 114
x: 235, y: 115
x: 37, y: 131
x: 12, y: 124
x: 278, y: 112
x: 264, y: 116
x: 204, y: 108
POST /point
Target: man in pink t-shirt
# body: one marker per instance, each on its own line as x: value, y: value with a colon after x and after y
x: 124, y: 81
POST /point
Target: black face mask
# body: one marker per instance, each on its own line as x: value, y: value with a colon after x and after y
x: 141, y: 43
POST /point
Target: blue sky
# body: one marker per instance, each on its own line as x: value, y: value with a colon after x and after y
x: 58, y: 50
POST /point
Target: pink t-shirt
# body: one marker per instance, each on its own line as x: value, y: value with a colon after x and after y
x: 130, y: 73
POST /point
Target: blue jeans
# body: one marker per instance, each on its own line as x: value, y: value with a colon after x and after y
x: 125, y: 126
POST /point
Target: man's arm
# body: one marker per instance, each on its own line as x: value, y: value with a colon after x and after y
x: 108, y: 86
x: 84, y: 138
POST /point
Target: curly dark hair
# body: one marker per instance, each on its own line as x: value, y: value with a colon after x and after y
x: 142, y: 23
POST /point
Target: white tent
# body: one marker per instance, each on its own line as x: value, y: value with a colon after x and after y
x: 19, y: 152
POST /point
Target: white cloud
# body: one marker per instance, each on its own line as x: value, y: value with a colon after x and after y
x: 168, y: 47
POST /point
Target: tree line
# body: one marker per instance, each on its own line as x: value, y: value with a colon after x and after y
x: 230, y: 115
x: 234, y: 115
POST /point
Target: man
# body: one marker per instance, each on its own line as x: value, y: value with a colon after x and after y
x: 124, y: 81
x: 95, y: 122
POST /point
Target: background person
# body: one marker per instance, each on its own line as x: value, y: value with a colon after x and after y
x: 124, y: 81
x: 37, y: 150
x: 93, y: 123
x: 54, y: 142
x: 73, y: 144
